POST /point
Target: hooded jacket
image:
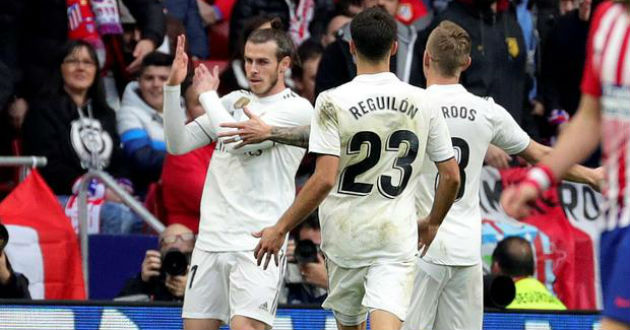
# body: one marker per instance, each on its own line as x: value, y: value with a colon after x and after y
x: 141, y: 130
x: 53, y: 128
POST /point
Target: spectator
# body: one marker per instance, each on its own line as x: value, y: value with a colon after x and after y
x: 337, y: 64
x: 154, y: 283
x: 42, y: 27
x: 562, y: 65
x: 189, y: 13
x: 76, y: 130
x: 306, y: 280
x: 310, y: 53
x: 498, y: 54
x: 140, y: 122
x: 184, y: 175
x: 513, y: 257
x: 333, y: 28
x: 234, y: 77
x: 12, y: 285
x: 304, y: 18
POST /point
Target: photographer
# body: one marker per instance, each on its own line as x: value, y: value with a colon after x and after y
x: 164, y: 273
x: 12, y: 285
x: 306, y: 280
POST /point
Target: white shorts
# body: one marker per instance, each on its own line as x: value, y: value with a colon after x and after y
x: 446, y: 298
x: 353, y: 292
x: 224, y: 284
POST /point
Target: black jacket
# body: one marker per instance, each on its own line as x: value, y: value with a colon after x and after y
x: 246, y: 9
x: 563, y: 62
x: 498, y: 55
x: 47, y: 132
x: 155, y: 289
x: 40, y: 31
x: 16, y: 287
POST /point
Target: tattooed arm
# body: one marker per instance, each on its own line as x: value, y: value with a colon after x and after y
x: 255, y: 130
x: 295, y: 136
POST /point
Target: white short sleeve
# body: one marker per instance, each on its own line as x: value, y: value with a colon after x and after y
x: 297, y: 113
x: 439, y: 145
x: 324, y: 138
x: 507, y: 134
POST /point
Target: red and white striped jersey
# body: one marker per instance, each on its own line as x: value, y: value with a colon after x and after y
x: 607, y: 77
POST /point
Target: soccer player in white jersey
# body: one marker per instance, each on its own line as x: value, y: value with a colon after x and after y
x: 448, y: 289
x: 245, y: 189
x: 371, y: 136
x: 604, y: 112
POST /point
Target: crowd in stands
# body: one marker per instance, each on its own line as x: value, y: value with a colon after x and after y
x: 82, y: 84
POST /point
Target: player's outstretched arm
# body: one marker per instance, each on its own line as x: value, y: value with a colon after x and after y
x: 576, y: 173
x: 180, y: 138
x: 445, y: 194
x: 576, y: 143
x: 309, y: 198
x: 255, y: 130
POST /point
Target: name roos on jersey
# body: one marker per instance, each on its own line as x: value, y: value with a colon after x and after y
x: 368, y: 105
x: 459, y: 112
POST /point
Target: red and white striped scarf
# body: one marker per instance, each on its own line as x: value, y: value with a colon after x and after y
x: 299, y: 19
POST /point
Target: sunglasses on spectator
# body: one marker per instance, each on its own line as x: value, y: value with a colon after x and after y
x: 173, y: 238
x: 76, y: 62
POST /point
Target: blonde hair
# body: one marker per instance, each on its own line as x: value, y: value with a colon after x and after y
x: 449, y: 47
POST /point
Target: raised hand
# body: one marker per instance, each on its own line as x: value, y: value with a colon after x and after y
x: 204, y: 80
x: 144, y: 47
x: 179, y: 69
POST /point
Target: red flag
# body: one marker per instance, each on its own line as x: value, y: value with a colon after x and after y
x: 571, y: 253
x: 42, y: 243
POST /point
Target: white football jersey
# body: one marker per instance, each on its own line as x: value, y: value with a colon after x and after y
x: 474, y: 123
x: 381, y: 129
x: 244, y: 193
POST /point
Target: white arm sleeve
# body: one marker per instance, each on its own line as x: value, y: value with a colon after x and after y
x: 181, y: 138
x: 216, y: 114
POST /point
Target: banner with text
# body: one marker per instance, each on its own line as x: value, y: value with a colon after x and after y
x: 563, y: 231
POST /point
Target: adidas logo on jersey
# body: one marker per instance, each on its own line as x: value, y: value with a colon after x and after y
x: 264, y: 307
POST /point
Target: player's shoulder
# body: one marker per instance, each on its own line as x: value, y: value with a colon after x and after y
x: 330, y: 95
x: 413, y: 89
x: 238, y: 98
x: 296, y: 101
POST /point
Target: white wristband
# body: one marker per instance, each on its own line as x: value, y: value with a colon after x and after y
x: 539, y: 176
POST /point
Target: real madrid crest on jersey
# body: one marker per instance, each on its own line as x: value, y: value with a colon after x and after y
x: 91, y: 143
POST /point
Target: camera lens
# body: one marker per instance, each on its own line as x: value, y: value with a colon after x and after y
x: 305, y: 251
x: 175, y: 263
